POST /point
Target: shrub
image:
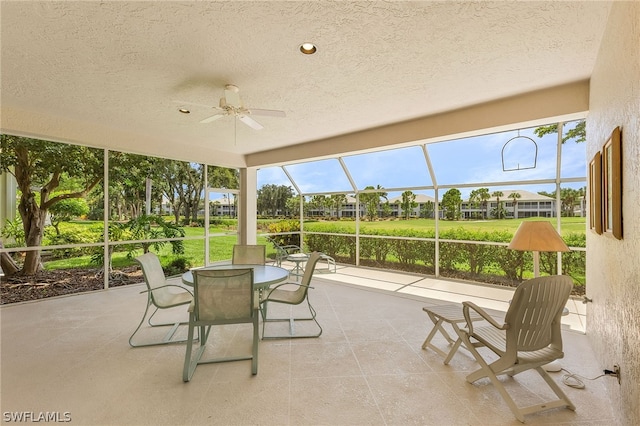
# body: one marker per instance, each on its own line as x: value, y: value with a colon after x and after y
x: 573, y: 262
x: 374, y: 248
x: 77, y: 236
x: 285, y: 226
x: 96, y: 214
x: 223, y: 223
x: 333, y: 245
x: 177, y: 266
x: 407, y: 251
x: 13, y: 230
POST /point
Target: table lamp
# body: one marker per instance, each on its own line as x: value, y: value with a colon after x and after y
x: 537, y: 236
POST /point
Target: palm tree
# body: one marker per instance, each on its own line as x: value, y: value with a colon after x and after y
x: 371, y: 200
x: 483, y: 196
x: 408, y: 203
x: 319, y: 202
x: 514, y: 196
x: 338, y: 200
x: 498, y: 194
x: 569, y: 197
x: 473, y: 201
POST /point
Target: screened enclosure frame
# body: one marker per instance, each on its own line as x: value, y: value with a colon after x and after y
x: 342, y: 162
x: 557, y: 181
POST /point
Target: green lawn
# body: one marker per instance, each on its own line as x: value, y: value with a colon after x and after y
x: 568, y: 224
x: 220, y: 245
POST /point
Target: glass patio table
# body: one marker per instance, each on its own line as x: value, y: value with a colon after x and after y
x: 263, y: 275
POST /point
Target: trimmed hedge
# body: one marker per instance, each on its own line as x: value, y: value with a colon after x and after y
x: 414, y: 251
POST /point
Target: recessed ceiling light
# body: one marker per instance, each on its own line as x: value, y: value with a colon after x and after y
x: 308, y: 48
x: 184, y: 111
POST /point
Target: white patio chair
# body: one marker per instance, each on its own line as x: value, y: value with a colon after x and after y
x: 160, y: 297
x: 283, y: 251
x: 291, y: 297
x: 221, y: 297
x: 529, y: 338
x: 248, y: 254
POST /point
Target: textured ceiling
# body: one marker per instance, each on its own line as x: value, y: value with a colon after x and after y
x: 109, y: 73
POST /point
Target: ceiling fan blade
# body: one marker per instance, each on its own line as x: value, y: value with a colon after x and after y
x: 213, y: 118
x: 267, y: 112
x: 250, y: 122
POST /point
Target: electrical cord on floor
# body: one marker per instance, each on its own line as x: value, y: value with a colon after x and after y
x: 575, y: 380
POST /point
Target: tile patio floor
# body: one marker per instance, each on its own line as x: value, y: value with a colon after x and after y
x: 70, y: 354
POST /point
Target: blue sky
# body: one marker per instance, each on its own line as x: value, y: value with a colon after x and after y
x: 468, y: 160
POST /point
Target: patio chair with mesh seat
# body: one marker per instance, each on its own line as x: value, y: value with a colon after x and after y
x: 248, y: 254
x: 295, y: 296
x: 221, y: 297
x: 283, y: 251
x: 160, y: 296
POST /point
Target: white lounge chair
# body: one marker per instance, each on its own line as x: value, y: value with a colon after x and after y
x: 529, y: 338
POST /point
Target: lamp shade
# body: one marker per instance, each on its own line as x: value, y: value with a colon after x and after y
x: 537, y: 236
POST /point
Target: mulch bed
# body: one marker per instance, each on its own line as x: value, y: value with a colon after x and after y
x: 60, y: 282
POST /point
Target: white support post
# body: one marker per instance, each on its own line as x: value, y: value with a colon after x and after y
x: 558, y: 189
x: 105, y: 218
x: 207, y: 212
x: 248, y: 206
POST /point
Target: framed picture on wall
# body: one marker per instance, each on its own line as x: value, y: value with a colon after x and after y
x: 612, y: 185
x: 595, y: 193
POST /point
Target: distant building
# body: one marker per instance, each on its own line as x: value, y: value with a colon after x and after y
x: 224, y: 206
x: 422, y: 201
x: 529, y: 204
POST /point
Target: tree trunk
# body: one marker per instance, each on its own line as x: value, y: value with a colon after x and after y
x: 34, y: 229
x: 187, y: 211
x: 176, y: 212
x: 9, y: 267
x: 194, y: 210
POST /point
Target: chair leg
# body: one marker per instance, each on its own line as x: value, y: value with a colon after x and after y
x: 556, y: 389
x: 562, y: 402
x: 144, y: 315
x: 486, y: 371
x: 190, y: 363
x: 256, y: 337
x: 165, y: 324
x: 291, y: 321
x: 167, y: 338
x: 331, y: 263
x: 186, y: 371
x: 263, y: 313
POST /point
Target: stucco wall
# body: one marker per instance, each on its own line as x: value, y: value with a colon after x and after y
x: 613, y: 266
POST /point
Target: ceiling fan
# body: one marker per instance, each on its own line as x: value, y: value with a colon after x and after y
x: 231, y: 104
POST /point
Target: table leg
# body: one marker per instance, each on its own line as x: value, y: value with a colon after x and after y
x: 455, y: 346
x: 438, y: 325
x: 297, y: 270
